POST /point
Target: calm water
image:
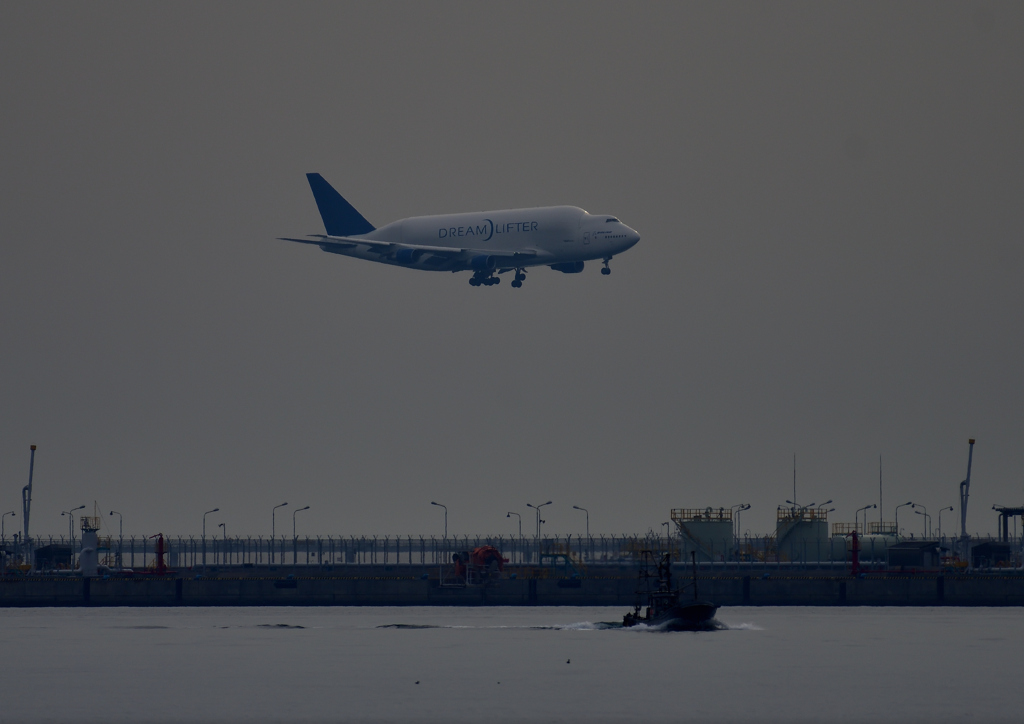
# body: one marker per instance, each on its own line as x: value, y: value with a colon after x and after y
x: 507, y: 664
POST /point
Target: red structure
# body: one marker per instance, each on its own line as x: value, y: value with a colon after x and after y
x: 161, y: 567
x: 485, y: 559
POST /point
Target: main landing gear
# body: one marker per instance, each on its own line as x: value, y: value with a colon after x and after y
x: 606, y: 271
x: 486, y: 279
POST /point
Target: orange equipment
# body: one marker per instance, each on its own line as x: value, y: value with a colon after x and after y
x: 482, y: 560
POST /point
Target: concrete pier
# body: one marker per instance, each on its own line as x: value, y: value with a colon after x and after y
x: 414, y: 586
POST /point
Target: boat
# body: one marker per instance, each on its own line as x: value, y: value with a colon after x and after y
x: 664, y: 607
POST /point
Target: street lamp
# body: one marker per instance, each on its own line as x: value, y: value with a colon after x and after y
x: 439, y: 505
x: 120, y: 535
x: 940, y: 518
x: 927, y: 521
x: 204, y: 520
x: 926, y: 517
x: 273, y: 520
x: 510, y: 514
x: 537, y: 508
x: 809, y: 506
x: 71, y: 528
x: 224, y: 555
x: 576, y: 507
x: 856, y: 517
x: 295, y: 538
x: 294, y: 513
x: 904, y: 505
x: 204, y: 534
x: 668, y: 535
x: 2, y: 537
x: 739, y: 509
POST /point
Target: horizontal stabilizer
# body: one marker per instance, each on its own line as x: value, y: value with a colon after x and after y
x: 340, y: 217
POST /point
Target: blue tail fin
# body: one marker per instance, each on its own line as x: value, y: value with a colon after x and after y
x: 340, y: 218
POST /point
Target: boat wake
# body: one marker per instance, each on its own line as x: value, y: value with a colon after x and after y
x: 712, y: 625
x: 741, y: 627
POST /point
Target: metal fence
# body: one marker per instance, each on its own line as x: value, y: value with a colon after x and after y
x: 572, y: 551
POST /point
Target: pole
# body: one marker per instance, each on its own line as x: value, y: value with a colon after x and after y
x: 794, y: 478
x: 576, y: 507
x: 439, y: 505
x: 26, y: 504
x: 537, y: 508
x: 273, y: 520
x: 949, y: 507
x: 120, y: 536
x: 273, y: 531
x: 904, y: 505
x: 509, y: 514
x: 204, y: 535
x: 965, y: 490
x: 295, y: 538
x: 71, y: 530
x: 880, y: 508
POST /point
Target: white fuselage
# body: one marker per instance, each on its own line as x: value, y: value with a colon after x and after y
x: 538, y: 236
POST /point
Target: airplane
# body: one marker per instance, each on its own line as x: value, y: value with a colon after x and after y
x: 486, y: 243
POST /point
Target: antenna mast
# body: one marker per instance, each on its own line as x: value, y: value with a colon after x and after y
x: 965, y: 491
x: 794, y: 478
x: 26, y: 501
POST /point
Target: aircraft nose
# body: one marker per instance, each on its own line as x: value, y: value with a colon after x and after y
x: 632, y: 237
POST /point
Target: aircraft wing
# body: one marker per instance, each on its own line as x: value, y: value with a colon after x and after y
x: 384, y: 247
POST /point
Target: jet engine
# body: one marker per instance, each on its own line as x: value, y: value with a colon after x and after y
x: 408, y: 256
x: 483, y: 262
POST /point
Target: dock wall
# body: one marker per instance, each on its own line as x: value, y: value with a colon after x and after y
x: 410, y: 590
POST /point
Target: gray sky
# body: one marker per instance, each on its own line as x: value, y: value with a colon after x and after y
x: 830, y: 204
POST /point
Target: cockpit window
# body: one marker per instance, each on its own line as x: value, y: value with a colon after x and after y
x: 608, y: 221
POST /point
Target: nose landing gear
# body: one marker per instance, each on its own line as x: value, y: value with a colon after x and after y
x: 606, y: 271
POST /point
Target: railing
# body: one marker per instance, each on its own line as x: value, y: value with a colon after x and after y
x: 700, y: 515
x: 801, y: 514
x: 325, y: 552
x: 847, y: 528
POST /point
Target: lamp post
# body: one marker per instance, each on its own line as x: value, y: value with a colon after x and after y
x: 537, y: 508
x: 71, y: 529
x: 2, y: 536
x: 509, y: 514
x: 737, y: 510
x: 224, y: 555
x: 295, y: 538
x: 576, y: 507
x: 856, y: 517
x: 927, y: 522
x: 273, y: 530
x: 273, y: 520
x: 950, y: 507
x: 668, y: 535
x: 439, y: 505
x: 204, y: 534
x: 926, y: 517
x: 904, y: 505
x: 294, y: 513
x: 807, y: 507
x: 120, y: 536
